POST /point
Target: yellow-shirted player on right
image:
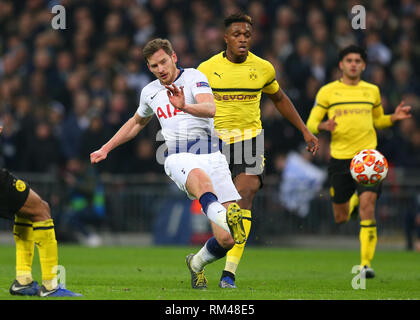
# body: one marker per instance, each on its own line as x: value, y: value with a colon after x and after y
x: 238, y: 78
x: 354, y: 111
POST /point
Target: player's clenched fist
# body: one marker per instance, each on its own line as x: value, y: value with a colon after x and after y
x: 98, y: 156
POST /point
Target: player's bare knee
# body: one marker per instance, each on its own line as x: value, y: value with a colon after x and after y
x: 46, y: 212
x: 226, y: 240
x: 340, y: 218
x: 199, y: 182
x: 206, y: 186
x: 42, y: 211
x: 247, y: 195
x: 248, y: 187
x: 367, y: 211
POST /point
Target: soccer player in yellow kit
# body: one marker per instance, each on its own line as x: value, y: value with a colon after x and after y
x: 354, y: 110
x: 33, y: 226
x: 238, y: 78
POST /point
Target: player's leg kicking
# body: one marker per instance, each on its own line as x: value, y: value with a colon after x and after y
x: 347, y: 197
x: 207, y: 178
x: 216, y: 247
x: 226, y: 220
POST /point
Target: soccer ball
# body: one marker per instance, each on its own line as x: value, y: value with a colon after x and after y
x: 369, y: 167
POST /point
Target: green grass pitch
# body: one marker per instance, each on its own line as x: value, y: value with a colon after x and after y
x: 160, y: 273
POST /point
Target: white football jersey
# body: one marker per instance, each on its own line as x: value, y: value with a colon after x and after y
x: 176, y: 124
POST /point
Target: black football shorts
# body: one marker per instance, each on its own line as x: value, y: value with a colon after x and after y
x: 246, y: 156
x: 342, y: 184
x: 13, y: 194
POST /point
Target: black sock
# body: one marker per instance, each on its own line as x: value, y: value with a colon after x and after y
x: 227, y: 274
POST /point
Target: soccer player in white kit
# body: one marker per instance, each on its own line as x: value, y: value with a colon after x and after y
x: 183, y: 102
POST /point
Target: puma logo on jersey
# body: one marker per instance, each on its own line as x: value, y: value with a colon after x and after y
x: 219, y: 75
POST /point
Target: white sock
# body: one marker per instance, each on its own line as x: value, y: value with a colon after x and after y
x: 216, y: 212
x: 202, y: 258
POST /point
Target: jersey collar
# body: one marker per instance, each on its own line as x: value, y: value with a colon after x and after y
x: 349, y: 85
x: 181, y: 70
x: 225, y: 57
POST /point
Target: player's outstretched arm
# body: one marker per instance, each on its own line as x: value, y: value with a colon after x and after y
x: 401, y: 112
x: 204, y: 108
x: 127, y: 132
x: 288, y: 110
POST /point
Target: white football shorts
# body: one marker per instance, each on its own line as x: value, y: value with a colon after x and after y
x: 178, y: 166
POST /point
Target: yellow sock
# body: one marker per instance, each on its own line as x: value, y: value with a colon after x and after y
x: 44, y: 236
x: 368, y: 238
x: 354, y: 202
x: 25, y: 247
x: 234, y: 255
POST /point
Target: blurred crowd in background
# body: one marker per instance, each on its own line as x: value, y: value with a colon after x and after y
x: 63, y: 93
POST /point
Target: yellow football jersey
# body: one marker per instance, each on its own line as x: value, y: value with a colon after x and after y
x: 237, y: 89
x: 357, y: 110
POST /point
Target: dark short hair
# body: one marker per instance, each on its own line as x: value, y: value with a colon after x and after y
x: 352, y: 49
x: 155, y: 45
x: 237, y: 17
